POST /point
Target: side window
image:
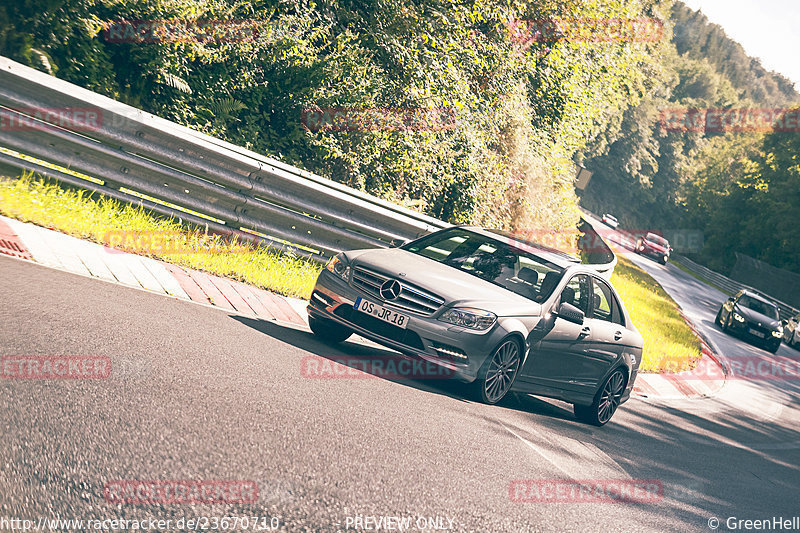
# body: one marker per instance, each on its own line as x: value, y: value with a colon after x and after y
x: 605, y: 305
x: 577, y: 292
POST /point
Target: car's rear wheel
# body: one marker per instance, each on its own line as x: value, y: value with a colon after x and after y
x: 605, y: 402
x: 498, y: 373
x: 328, y: 330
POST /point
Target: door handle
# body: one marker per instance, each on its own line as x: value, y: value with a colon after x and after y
x: 617, y: 335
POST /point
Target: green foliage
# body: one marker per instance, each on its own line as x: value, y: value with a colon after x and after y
x: 522, y: 110
x: 716, y: 182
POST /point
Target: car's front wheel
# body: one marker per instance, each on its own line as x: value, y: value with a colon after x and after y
x: 718, y: 320
x: 498, y: 373
x: 328, y: 330
x: 605, y: 402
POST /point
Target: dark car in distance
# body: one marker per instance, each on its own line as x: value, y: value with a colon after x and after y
x: 497, y: 312
x: 654, y: 246
x: 750, y: 316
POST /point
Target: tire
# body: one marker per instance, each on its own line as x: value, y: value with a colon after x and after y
x: 663, y: 261
x: 605, y: 402
x: 718, y: 320
x: 329, y: 331
x: 498, y: 372
x: 726, y: 324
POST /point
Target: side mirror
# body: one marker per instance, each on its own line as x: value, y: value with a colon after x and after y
x: 570, y: 313
x: 396, y: 244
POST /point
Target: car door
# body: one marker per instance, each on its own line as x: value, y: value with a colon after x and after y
x: 553, y: 360
x: 609, y: 337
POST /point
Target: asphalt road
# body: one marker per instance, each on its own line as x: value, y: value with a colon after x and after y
x: 198, y: 394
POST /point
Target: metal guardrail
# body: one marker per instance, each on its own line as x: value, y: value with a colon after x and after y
x: 136, y: 151
x: 730, y: 286
x: 193, y: 176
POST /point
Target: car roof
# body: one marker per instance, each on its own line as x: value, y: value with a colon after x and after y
x: 553, y: 255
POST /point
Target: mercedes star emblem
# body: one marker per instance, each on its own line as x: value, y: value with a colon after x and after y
x: 390, y: 289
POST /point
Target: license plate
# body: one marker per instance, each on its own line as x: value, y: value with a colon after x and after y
x: 382, y: 313
x: 756, y: 333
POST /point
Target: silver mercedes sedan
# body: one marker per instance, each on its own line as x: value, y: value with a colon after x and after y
x: 494, y: 311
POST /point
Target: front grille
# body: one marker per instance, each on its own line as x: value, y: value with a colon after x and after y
x: 411, y: 297
x: 379, y: 327
x: 764, y: 330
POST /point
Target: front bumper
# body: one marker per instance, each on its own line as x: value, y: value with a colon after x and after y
x: 744, y: 330
x: 655, y: 254
x: 333, y: 299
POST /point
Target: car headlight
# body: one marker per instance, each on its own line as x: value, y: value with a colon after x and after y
x: 469, y: 317
x: 339, y: 266
x: 778, y: 332
x: 737, y: 317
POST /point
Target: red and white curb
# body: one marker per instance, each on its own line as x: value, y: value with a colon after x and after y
x: 57, y: 250
x: 703, y: 381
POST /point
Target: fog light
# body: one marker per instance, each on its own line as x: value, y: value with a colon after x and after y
x: 450, y: 352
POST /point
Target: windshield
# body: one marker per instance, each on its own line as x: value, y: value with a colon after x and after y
x: 507, y: 266
x: 759, y: 306
x: 661, y: 241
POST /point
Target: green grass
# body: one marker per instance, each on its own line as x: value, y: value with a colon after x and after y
x: 669, y: 343
x: 103, y: 220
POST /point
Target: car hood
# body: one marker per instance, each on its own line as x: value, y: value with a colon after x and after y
x: 656, y: 247
x: 756, y: 317
x: 455, y: 286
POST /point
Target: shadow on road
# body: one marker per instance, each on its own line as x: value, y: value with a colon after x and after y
x: 379, y: 362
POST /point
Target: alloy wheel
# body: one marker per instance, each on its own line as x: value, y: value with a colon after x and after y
x: 610, y: 397
x: 501, y: 372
